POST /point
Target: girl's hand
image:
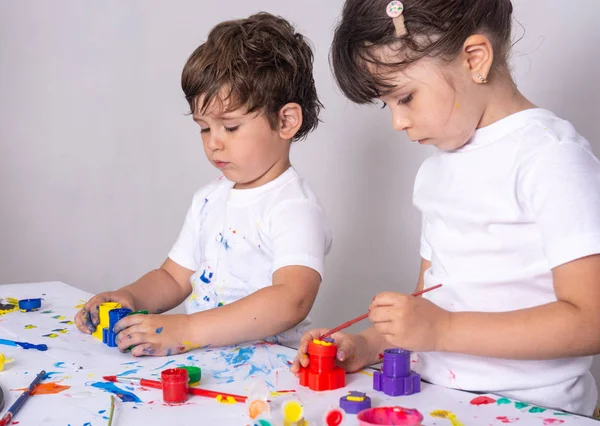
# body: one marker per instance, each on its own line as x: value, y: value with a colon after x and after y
x: 409, y: 322
x: 87, y: 318
x: 154, y: 335
x: 352, y: 354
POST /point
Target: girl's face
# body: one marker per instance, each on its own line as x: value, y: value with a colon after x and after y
x: 435, y: 106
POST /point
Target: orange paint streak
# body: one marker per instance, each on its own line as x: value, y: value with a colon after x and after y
x: 48, y: 389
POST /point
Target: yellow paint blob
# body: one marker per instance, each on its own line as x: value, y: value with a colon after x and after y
x: 322, y: 342
x: 445, y: 414
x: 292, y: 411
x: 228, y: 400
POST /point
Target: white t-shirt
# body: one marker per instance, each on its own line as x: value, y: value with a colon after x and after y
x: 236, y: 239
x: 522, y: 197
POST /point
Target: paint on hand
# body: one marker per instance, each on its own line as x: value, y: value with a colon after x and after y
x: 159, y: 330
x: 482, y: 400
x: 445, y: 414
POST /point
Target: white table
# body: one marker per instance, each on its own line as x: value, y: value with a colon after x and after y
x: 79, y: 361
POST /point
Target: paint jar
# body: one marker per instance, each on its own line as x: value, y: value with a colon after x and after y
x: 28, y: 305
x: 388, y: 416
x: 194, y: 374
x: 175, y: 385
x: 115, y: 315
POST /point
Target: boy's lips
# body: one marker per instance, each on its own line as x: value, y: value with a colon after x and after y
x: 220, y: 164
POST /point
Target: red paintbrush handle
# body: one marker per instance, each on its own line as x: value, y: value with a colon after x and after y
x: 151, y: 383
x: 213, y: 394
x: 362, y: 317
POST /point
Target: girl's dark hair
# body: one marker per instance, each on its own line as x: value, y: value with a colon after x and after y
x: 435, y: 28
x: 262, y: 63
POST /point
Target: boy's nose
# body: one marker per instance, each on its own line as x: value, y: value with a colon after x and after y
x: 214, y: 142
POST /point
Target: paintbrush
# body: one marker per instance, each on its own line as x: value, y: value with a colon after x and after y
x: 158, y: 385
x: 12, y: 411
x: 24, y: 345
x: 362, y: 317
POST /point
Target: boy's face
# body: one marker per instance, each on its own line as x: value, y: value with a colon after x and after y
x: 436, y: 108
x: 243, y: 145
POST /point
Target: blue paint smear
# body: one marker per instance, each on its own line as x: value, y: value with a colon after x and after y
x: 224, y: 242
x: 59, y: 364
x: 241, y: 357
x: 123, y: 395
x: 130, y: 363
x: 49, y: 374
x: 164, y: 365
x: 284, y: 359
x: 254, y: 369
x: 192, y: 358
x: 128, y: 372
x: 87, y: 424
x: 204, y: 278
x: 222, y: 376
x: 101, y: 411
x: 169, y: 352
x: 159, y: 330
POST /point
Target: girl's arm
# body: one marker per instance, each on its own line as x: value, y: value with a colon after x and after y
x: 567, y: 328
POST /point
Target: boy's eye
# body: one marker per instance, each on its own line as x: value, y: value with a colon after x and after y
x: 406, y: 100
x: 231, y: 129
x: 206, y: 130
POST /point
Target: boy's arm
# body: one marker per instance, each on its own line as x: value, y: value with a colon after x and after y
x: 162, y: 289
x: 266, y: 312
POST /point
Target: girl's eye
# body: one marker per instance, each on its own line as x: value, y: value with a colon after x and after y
x: 205, y: 130
x: 406, y: 100
x: 231, y: 129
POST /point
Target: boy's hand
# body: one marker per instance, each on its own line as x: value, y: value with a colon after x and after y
x: 409, y: 322
x: 87, y: 318
x: 352, y: 354
x: 157, y: 335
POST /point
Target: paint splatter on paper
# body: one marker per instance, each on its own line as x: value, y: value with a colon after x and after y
x: 482, y: 400
x: 445, y: 414
x: 48, y: 389
x: 553, y: 422
x: 505, y: 419
x: 122, y: 394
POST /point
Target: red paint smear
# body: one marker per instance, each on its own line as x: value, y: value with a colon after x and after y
x: 334, y: 418
x: 380, y: 356
x: 482, y: 400
x: 553, y: 421
x: 286, y: 391
x: 15, y: 423
x: 505, y: 419
x: 452, y: 374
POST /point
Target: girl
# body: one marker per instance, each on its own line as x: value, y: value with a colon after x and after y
x: 510, y: 206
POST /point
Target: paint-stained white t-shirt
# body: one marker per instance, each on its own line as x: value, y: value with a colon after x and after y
x: 522, y: 197
x: 235, y: 239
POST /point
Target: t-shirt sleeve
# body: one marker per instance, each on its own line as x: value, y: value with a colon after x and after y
x: 185, y: 251
x: 425, y: 249
x: 300, y: 235
x: 561, y: 188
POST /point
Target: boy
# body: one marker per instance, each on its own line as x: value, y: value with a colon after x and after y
x: 249, y: 259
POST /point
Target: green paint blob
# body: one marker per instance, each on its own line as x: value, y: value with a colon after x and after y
x: 520, y: 405
x: 537, y: 410
x: 561, y: 414
x: 503, y: 401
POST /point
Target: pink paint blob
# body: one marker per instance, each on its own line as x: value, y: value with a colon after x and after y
x: 482, y: 400
x: 553, y: 421
x: 397, y: 416
x: 505, y: 419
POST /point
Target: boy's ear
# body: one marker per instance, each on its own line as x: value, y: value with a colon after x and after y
x: 290, y: 120
x: 478, y: 56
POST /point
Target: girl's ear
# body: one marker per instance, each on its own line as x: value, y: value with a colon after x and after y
x: 290, y: 120
x: 478, y: 55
